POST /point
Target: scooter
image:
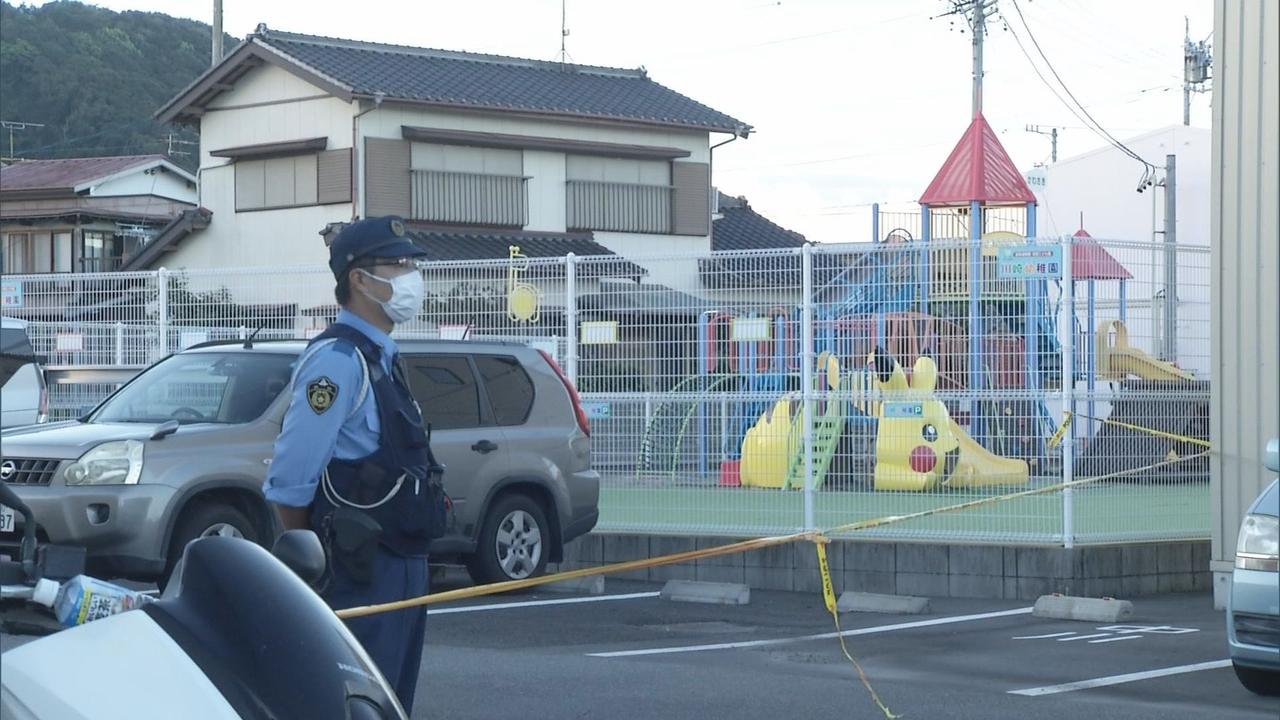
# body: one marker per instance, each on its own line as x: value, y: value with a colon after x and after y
x: 238, y: 634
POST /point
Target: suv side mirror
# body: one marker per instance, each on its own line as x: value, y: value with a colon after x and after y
x: 1272, y: 456
x: 301, y: 551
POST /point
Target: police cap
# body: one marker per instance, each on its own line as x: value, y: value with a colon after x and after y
x: 380, y: 237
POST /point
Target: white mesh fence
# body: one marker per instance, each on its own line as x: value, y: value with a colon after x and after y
x: 759, y: 392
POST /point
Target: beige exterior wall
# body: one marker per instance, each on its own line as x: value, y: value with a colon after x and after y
x: 1246, y: 264
x: 270, y: 238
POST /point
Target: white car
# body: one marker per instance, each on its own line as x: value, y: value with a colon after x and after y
x: 1253, y: 610
x: 24, y: 399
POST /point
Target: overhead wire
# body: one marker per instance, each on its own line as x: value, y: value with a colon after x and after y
x: 1075, y: 106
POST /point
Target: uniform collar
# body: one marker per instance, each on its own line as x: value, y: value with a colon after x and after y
x: 383, y: 340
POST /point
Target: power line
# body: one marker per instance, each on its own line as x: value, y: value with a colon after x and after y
x: 1148, y: 169
x: 1018, y: 8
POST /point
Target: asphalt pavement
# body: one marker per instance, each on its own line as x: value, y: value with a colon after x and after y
x: 629, y: 654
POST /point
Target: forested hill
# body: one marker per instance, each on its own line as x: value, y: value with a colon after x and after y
x: 93, y: 77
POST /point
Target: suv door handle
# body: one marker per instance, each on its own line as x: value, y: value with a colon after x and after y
x: 484, y: 447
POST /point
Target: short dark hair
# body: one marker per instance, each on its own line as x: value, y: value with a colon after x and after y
x: 342, y: 291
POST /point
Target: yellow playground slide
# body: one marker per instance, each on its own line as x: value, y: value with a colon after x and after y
x: 919, y: 446
x: 979, y: 466
x: 1117, y: 360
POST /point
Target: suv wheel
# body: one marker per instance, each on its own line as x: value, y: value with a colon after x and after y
x: 1260, y: 682
x: 206, y: 520
x: 513, y: 542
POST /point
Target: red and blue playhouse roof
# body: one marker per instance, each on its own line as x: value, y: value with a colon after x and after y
x: 978, y: 169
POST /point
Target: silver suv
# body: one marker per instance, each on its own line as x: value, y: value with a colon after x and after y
x: 181, y: 452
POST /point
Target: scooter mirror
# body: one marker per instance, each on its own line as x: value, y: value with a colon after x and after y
x: 301, y: 551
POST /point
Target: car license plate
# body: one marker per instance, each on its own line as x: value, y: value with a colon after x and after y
x: 6, y: 519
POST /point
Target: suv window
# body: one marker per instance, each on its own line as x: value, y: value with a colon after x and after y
x: 509, y: 387
x: 446, y: 389
x: 201, y: 387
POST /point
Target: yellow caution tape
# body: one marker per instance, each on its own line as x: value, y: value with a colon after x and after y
x: 819, y: 538
x: 1150, y: 431
x: 829, y: 596
x: 732, y: 548
x: 828, y: 591
x: 1061, y: 432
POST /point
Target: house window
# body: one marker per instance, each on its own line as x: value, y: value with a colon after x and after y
x: 62, y: 252
x: 618, y: 194
x: 468, y: 185
x: 293, y: 180
x: 99, y: 251
x: 276, y: 183
x: 19, y: 253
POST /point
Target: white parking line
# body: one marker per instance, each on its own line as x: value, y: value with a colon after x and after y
x: 1116, y: 639
x: 1120, y: 679
x: 540, y: 603
x: 1042, y: 637
x: 806, y: 638
x: 1083, y: 637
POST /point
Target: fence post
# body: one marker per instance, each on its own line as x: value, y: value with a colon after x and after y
x: 806, y: 377
x: 571, y: 316
x: 1068, y: 391
x: 162, y: 277
x: 119, y: 343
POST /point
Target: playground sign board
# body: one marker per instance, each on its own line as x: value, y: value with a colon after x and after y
x: 600, y: 332
x: 597, y: 410
x: 11, y: 294
x: 903, y: 410
x: 1029, y: 261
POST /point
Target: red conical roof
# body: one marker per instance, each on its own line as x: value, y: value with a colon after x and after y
x: 1091, y: 261
x: 978, y: 169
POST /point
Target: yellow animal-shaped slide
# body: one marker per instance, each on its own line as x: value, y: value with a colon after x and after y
x: 919, y: 446
x: 769, y: 445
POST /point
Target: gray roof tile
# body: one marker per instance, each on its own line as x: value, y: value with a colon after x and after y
x: 495, y: 82
x: 447, y: 244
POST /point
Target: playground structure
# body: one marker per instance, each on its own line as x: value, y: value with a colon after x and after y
x: 977, y: 317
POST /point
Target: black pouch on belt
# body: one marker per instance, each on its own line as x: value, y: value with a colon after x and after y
x: 355, y: 542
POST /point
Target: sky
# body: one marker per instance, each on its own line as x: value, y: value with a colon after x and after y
x: 852, y: 101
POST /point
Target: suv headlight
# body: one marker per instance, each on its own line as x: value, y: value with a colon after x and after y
x: 1259, y: 546
x: 113, y: 463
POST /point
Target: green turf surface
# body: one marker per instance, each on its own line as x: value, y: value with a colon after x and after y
x: 1102, y: 513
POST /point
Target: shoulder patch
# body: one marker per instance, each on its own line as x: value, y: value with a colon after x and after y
x: 320, y: 394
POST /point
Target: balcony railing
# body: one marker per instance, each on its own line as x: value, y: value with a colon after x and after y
x: 470, y: 198
x: 619, y: 207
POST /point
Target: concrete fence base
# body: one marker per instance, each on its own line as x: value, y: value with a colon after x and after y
x: 923, y: 569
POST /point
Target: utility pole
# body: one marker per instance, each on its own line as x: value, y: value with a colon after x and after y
x: 1197, y: 67
x: 1053, y: 138
x: 217, y: 33
x: 976, y: 13
x: 12, y: 125
x: 1170, y: 257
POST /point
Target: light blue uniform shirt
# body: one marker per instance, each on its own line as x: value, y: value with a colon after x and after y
x: 310, y: 438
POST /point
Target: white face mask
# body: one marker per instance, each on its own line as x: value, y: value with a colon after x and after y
x: 406, y: 296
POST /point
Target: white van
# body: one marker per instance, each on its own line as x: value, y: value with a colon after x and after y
x: 24, y: 398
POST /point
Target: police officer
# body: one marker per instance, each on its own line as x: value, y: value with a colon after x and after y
x: 353, y: 462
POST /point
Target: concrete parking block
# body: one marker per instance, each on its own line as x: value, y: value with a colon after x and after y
x: 877, y: 603
x: 706, y: 592
x: 1067, y: 607
x: 593, y: 585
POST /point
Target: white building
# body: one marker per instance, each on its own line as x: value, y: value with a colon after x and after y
x: 1098, y: 191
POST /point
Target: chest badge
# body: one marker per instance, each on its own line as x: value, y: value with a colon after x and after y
x: 320, y: 394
